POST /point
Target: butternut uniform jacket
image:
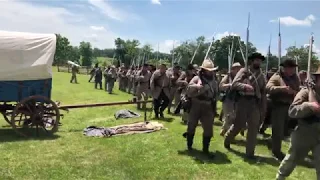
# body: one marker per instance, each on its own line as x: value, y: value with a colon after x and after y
x: 203, y: 95
x: 158, y: 83
x: 143, y: 80
x: 257, y: 80
x: 277, y: 94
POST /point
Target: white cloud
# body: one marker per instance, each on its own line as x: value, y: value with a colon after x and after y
x: 166, y: 46
x: 291, y: 21
x: 219, y: 36
x: 156, y: 2
x: 97, y: 28
x: 110, y: 11
x: 52, y: 20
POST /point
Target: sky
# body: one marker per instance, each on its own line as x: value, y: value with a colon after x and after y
x: 165, y: 22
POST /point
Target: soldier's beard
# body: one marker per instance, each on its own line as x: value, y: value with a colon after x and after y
x: 256, y: 66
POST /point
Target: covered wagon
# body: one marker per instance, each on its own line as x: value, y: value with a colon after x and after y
x: 26, y: 82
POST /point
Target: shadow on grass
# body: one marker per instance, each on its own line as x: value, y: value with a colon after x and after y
x: 259, y: 159
x: 10, y: 135
x: 267, y: 142
x: 264, y: 142
x: 199, y: 157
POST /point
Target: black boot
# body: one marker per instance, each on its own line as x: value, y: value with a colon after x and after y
x: 161, y: 114
x: 205, y: 146
x: 156, y: 113
x: 190, y: 141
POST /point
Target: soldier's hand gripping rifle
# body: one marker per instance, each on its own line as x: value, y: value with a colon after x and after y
x: 310, y: 81
x: 205, y: 82
x: 311, y: 85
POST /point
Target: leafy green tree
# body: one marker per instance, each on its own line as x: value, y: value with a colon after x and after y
x: 86, y: 53
x: 302, y: 55
x: 62, y: 50
x: 74, y: 54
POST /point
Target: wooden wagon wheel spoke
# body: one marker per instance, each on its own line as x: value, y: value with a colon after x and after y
x: 28, y: 108
x: 39, y: 113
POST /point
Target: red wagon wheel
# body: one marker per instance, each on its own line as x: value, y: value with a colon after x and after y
x: 35, y: 114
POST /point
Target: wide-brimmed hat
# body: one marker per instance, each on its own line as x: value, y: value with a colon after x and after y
x: 256, y: 56
x: 237, y: 64
x: 289, y: 63
x: 208, y: 65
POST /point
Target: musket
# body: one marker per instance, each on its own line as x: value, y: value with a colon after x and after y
x: 209, y: 47
x: 267, y: 65
x: 279, y: 47
x: 244, y: 59
x: 247, y: 42
x: 214, y: 34
x: 312, y: 94
x: 195, y: 52
x: 230, y: 57
x: 296, y: 58
x: 172, y: 53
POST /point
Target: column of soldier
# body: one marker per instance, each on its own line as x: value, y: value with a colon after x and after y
x: 251, y: 101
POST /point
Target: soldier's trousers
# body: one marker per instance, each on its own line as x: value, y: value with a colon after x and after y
x: 174, y: 95
x: 303, y: 140
x: 134, y: 88
x: 201, y: 111
x: 142, y: 93
x: 161, y: 103
x: 247, y: 112
x: 74, y: 78
x: 228, y: 107
x: 120, y: 83
x: 267, y: 120
x: 110, y: 85
x: 279, y: 116
x: 130, y: 84
x: 96, y: 84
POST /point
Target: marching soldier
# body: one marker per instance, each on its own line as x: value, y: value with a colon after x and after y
x: 98, y: 78
x: 143, y: 79
x: 282, y: 87
x: 120, y: 77
x: 183, y: 82
x: 202, y: 90
x: 74, y: 72
x: 160, y: 90
x: 228, y: 104
x: 93, y: 71
x: 112, y: 77
x: 130, y: 79
x: 251, y: 103
x: 106, y: 77
x: 306, y: 108
x: 135, y: 83
x: 174, y: 94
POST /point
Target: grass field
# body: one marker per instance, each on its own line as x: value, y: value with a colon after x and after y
x: 160, y: 155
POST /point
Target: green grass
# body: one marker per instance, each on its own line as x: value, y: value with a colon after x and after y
x: 70, y: 155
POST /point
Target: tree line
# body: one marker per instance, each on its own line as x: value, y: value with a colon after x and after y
x: 130, y: 53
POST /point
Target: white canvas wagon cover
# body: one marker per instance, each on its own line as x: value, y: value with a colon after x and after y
x: 26, y: 56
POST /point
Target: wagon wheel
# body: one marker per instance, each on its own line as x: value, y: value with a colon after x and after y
x: 35, y: 113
